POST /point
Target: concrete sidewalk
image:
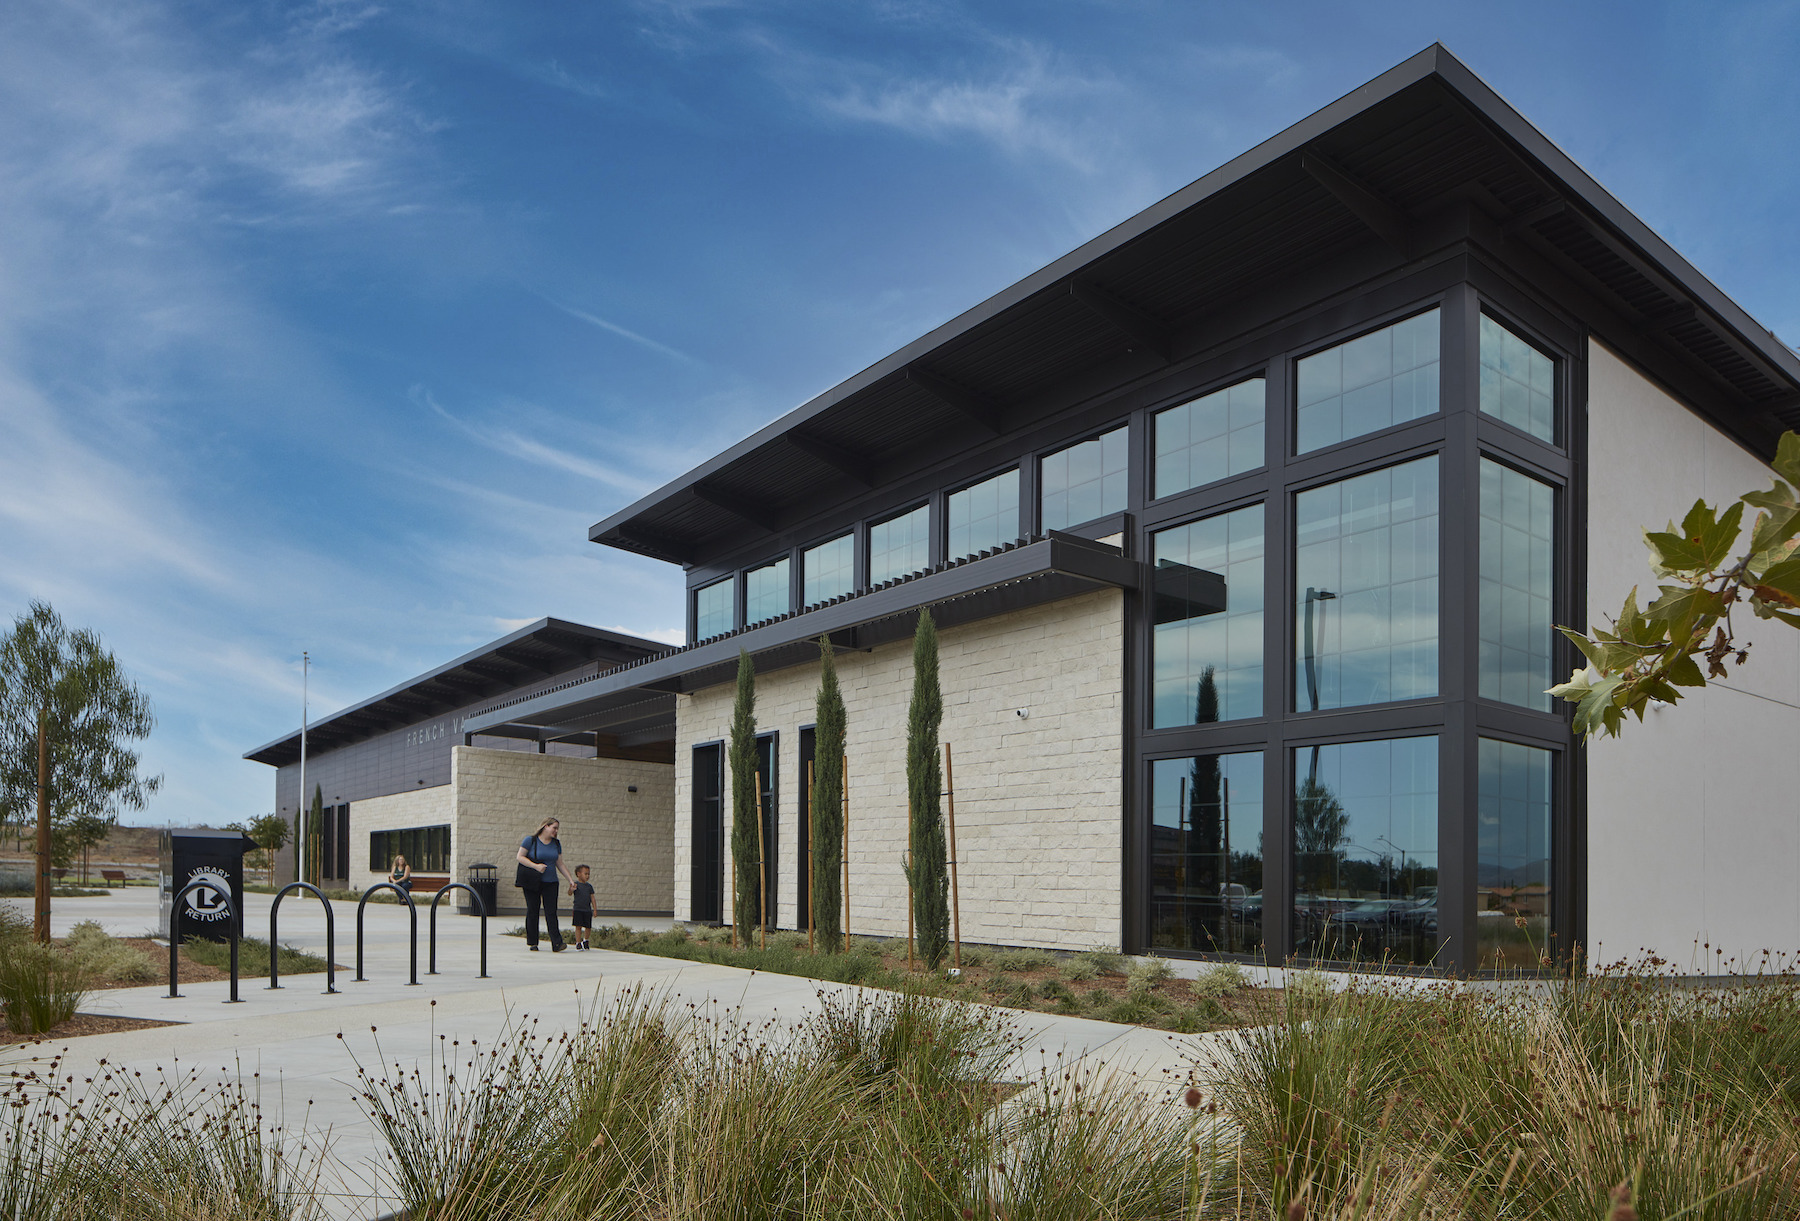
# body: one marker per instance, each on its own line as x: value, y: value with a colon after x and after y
x: 289, y: 1039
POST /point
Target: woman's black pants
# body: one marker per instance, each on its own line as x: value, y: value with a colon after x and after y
x: 545, y: 897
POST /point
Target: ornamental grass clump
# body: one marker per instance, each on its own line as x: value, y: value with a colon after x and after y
x: 41, y: 987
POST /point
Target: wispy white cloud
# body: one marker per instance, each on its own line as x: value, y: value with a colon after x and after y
x: 616, y: 329
x: 529, y: 449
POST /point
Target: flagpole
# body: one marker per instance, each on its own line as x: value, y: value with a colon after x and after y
x: 300, y: 839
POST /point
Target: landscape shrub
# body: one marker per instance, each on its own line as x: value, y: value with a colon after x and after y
x: 1218, y: 981
x: 253, y: 957
x: 1078, y: 969
x: 100, y: 956
x: 1145, y: 973
x: 40, y: 986
x: 1024, y: 960
x: 1107, y: 962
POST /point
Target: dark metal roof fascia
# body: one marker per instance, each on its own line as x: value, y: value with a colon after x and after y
x: 1389, y: 83
x: 1064, y: 555
x: 1607, y: 207
x: 486, y: 650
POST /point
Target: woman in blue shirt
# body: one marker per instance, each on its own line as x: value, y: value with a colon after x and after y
x: 542, y: 854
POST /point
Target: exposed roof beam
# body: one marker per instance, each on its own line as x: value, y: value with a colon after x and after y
x: 678, y: 549
x: 1383, y: 218
x: 837, y: 457
x: 978, y: 407
x: 1526, y: 220
x: 752, y: 511
x: 531, y: 665
x: 1141, y: 327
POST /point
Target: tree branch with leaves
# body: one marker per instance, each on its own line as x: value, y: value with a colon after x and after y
x: 1653, y: 653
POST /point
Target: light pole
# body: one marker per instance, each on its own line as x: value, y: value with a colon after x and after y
x: 1312, y: 669
x: 300, y: 839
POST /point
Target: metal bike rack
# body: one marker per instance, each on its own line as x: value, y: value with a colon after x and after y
x: 411, y: 910
x: 330, y: 937
x: 481, y: 909
x: 175, y: 934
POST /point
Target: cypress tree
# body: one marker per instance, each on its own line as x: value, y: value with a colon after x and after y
x: 929, y: 871
x: 315, y: 838
x: 827, y: 804
x: 745, y: 857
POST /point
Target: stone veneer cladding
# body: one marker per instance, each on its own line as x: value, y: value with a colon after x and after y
x: 501, y: 796
x: 1038, y: 800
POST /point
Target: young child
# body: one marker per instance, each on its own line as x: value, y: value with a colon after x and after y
x: 581, y: 907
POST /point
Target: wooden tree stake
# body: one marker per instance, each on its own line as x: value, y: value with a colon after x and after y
x: 955, y: 895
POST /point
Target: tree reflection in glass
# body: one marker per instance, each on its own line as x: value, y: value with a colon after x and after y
x: 1205, y: 886
x: 1365, y: 851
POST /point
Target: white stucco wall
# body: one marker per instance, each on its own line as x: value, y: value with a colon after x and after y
x: 627, y: 838
x: 1038, y: 799
x: 426, y: 807
x: 1693, y: 821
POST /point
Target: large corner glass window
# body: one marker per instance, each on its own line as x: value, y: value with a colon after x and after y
x: 1206, y: 864
x: 1366, y: 588
x: 1512, y: 872
x: 1215, y: 436
x: 1381, y: 379
x: 1365, y: 851
x: 1085, y: 481
x: 983, y: 516
x: 1518, y: 567
x: 1518, y: 382
x: 766, y: 592
x: 1207, y: 665
x: 828, y: 570
x: 900, y: 545
x: 712, y: 608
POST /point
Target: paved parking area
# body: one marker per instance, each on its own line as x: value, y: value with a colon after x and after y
x: 289, y: 1039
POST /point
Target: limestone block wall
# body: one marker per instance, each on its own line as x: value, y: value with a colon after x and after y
x: 1693, y: 830
x: 426, y: 807
x: 627, y: 838
x: 1038, y: 799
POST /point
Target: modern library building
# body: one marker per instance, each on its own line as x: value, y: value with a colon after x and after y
x: 1247, y: 525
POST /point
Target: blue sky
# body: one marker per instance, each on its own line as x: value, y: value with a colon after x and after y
x: 333, y: 326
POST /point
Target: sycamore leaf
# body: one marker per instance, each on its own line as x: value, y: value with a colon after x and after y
x: 1595, y: 713
x: 1593, y: 650
x: 1673, y: 552
x: 1787, y: 457
x: 1682, y: 606
x: 1781, y: 583
x: 1715, y: 542
x: 1577, y: 686
x: 1684, y: 671
x: 1774, y: 529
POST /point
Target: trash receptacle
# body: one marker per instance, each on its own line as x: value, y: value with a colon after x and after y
x: 216, y: 857
x: 484, y: 880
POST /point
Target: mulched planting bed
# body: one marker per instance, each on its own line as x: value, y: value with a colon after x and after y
x: 79, y: 1025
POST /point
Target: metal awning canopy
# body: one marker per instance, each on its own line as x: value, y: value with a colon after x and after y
x: 636, y: 702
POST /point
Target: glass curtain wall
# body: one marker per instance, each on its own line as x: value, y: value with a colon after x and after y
x: 1085, y: 481
x: 1366, y: 589
x: 1384, y: 378
x: 1518, y: 574
x: 828, y: 570
x: 1208, y: 666
x: 1212, y: 438
x: 1518, y: 382
x: 900, y: 545
x: 766, y: 592
x: 1513, y: 865
x: 1365, y: 851
x: 1206, y: 865
x: 982, y: 516
x: 713, y: 610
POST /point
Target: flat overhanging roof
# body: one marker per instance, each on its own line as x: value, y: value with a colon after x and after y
x: 537, y: 651
x: 636, y: 702
x: 1375, y: 166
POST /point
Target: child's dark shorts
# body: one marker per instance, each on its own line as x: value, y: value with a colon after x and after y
x: 582, y: 919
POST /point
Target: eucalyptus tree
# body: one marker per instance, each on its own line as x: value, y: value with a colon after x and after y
x: 68, y: 714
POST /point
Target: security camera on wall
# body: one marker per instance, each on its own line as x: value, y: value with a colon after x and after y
x: 1021, y: 713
